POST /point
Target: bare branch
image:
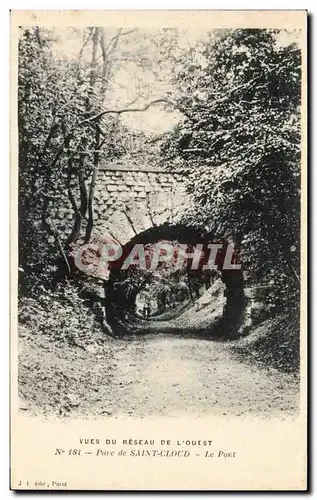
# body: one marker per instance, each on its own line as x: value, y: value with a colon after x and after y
x: 91, y: 195
x: 78, y: 212
x: 130, y: 221
x: 116, y: 37
x: 53, y: 232
x: 127, y: 110
x: 124, y: 33
x: 85, y: 43
x: 82, y: 186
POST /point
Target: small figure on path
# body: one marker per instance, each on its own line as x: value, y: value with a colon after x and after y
x: 148, y: 310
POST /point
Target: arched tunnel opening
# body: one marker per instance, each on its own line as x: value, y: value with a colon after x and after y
x: 180, y: 292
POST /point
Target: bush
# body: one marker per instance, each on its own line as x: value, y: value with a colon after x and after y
x: 61, y: 316
x: 275, y: 343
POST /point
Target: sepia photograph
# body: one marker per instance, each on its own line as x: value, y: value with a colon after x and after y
x: 159, y: 191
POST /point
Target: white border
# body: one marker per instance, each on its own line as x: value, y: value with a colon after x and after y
x: 4, y: 198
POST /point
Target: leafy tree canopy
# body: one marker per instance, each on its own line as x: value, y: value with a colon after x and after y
x: 240, y: 143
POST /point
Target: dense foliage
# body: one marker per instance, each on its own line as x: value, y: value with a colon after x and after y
x: 59, y: 152
x: 240, y: 147
x: 61, y: 316
x: 238, y: 142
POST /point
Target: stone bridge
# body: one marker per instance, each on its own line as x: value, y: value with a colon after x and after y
x: 129, y: 202
x: 139, y: 205
x: 143, y: 205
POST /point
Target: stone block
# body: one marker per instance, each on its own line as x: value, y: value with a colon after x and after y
x: 141, y: 205
x: 152, y: 177
x: 130, y: 182
x: 163, y: 178
x: 141, y: 177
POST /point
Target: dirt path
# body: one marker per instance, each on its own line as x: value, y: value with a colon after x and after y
x: 151, y: 375
x: 168, y: 375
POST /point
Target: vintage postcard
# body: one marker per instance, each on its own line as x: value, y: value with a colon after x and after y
x: 158, y: 250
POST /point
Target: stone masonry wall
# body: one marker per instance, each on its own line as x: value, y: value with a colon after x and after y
x: 129, y: 202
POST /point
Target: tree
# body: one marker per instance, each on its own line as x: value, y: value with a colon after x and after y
x: 240, y: 147
x: 59, y: 152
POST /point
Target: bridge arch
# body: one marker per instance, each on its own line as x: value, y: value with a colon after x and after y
x: 137, y: 204
x: 120, y: 304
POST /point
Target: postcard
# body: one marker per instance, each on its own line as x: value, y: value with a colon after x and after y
x: 158, y: 250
